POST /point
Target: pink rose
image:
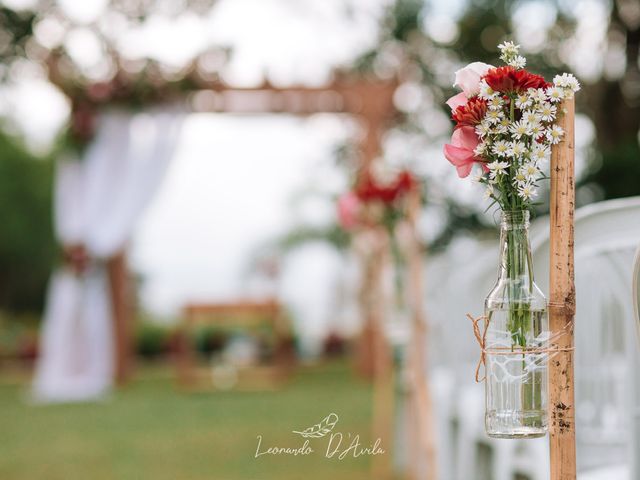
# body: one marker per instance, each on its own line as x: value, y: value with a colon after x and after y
x: 468, y: 78
x: 457, y: 100
x: 348, y: 210
x: 461, y: 150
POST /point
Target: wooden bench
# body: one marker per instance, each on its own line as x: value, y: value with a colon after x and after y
x: 245, y: 316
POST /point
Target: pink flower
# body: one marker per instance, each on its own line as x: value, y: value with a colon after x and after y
x: 348, y: 209
x: 461, y: 150
x: 457, y: 100
x: 468, y: 78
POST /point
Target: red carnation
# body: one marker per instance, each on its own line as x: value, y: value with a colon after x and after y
x: 470, y: 114
x: 508, y: 79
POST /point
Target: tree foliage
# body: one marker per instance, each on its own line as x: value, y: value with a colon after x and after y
x: 27, y: 247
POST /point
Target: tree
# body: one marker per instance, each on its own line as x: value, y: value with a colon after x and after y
x: 27, y: 247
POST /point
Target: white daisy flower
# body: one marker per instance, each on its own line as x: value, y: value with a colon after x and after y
x: 555, y: 94
x: 538, y: 95
x: 517, y: 149
x: 502, y: 126
x: 480, y: 150
x: 483, y: 129
x: 530, y: 171
x: 536, y: 129
x: 489, y: 192
x: 517, y: 62
x: 573, y: 84
x: 560, y: 80
x: 500, y: 148
x: 477, y: 177
x: 540, y: 153
x: 520, y: 178
x: 531, y: 117
x: 508, y: 48
x: 509, y: 54
x: 494, y: 116
x: 526, y: 191
x: 497, y: 168
x: 554, y: 134
x: 495, y: 102
x: 567, y: 83
x: 547, y: 112
x: 518, y: 129
x: 486, y: 92
x: 523, y: 101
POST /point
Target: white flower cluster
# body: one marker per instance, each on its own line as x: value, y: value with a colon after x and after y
x: 509, y: 54
x: 515, y: 140
x: 564, y: 86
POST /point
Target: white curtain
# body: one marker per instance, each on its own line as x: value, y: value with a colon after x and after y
x: 97, y: 203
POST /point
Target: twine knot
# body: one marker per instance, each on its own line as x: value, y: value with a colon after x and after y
x: 481, y: 336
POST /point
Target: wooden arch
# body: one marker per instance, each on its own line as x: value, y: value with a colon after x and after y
x: 371, y: 102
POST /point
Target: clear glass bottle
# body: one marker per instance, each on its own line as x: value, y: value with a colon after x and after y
x: 516, y: 311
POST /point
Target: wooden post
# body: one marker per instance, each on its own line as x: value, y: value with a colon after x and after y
x: 121, y: 315
x: 365, y: 354
x: 422, y: 401
x: 383, y: 381
x: 562, y: 441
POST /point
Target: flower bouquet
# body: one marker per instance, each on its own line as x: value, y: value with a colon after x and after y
x: 505, y: 126
x: 378, y: 203
x: 375, y: 201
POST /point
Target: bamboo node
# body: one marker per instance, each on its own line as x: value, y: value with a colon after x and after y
x: 565, y: 309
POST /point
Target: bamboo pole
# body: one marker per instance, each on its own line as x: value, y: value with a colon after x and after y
x: 562, y: 441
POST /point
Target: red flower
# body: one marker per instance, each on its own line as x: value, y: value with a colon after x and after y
x: 470, y: 114
x: 508, y: 79
x: 370, y: 190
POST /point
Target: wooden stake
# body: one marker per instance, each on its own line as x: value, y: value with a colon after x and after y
x: 121, y: 314
x: 422, y: 401
x: 562, y: 439
x: 384, y: 381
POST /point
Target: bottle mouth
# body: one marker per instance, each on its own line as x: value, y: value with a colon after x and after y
x: 515, y: 218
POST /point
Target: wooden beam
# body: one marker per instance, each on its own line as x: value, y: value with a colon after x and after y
x: 357, y: 97
x: 562, y: 440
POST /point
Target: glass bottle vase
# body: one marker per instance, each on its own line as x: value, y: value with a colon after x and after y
x: 517, y: 332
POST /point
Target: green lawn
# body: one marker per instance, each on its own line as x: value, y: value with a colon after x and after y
x: 151, y: 431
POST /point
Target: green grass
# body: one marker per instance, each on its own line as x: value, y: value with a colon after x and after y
x: 151, y: 431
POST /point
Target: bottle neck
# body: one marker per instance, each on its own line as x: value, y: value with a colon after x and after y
x: 516, y: 265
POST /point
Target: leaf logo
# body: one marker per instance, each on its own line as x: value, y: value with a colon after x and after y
x: 319, y: 430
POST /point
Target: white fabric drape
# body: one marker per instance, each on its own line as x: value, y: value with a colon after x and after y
x: 97, y: 203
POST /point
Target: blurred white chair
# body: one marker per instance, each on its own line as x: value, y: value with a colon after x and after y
x: 482, y: 458
x: 609, y: 473
x: 607, y: 365
x: 635, y: 445
x: 607, y: 360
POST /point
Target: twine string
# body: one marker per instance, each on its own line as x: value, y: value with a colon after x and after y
x: 481, y: 336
